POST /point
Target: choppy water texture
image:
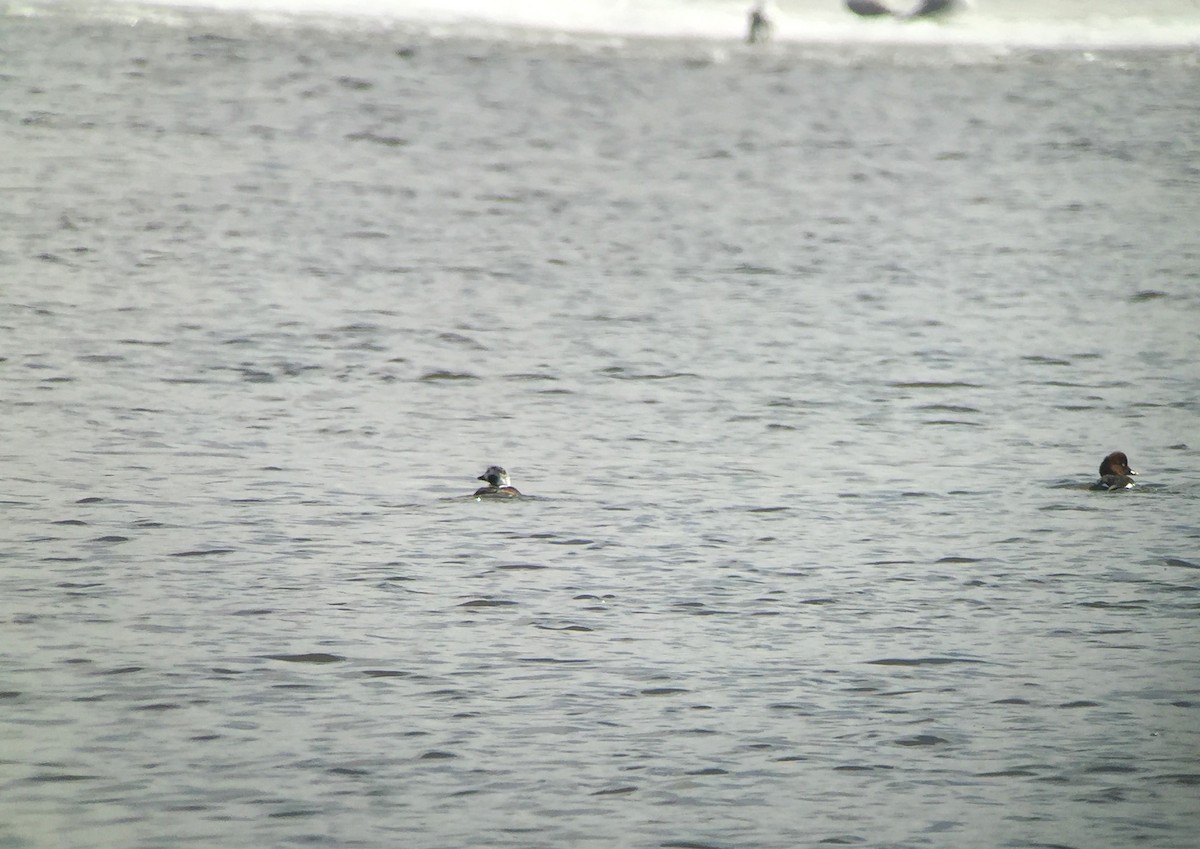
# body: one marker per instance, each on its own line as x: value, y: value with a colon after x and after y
x: 807, y: 354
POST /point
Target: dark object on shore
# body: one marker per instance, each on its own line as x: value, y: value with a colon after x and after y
x: 924, y: 9
x: 759, y: 25
x: 868, y: 8
x: 928, y: 8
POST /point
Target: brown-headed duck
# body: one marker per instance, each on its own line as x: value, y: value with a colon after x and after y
x: 1115, y: 472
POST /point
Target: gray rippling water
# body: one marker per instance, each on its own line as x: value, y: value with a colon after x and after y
x: 807, y: 354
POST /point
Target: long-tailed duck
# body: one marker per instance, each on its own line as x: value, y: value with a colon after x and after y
x: 498, y: 485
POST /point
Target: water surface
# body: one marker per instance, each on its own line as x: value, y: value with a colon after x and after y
x: 808, y: 356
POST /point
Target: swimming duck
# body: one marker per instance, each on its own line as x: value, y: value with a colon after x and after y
x: 498, y: 485
x: 1115, y: 472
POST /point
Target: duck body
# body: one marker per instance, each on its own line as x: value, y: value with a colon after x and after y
x: 1115, y: 473
x: 498, y: 484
